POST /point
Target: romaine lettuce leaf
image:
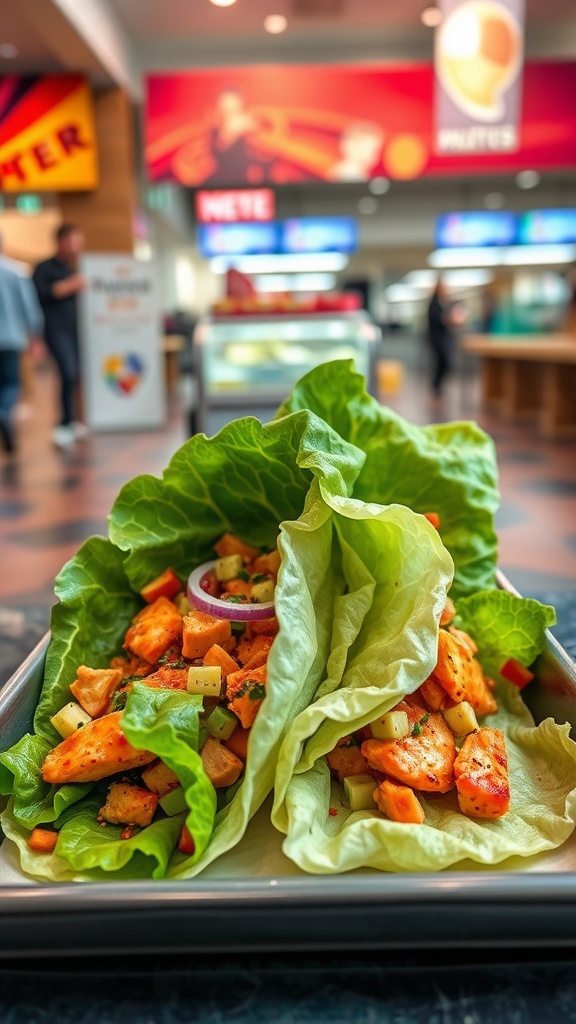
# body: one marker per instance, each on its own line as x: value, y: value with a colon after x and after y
x: 35, y: 801
x: 449, y: 469
x: 504, y: 626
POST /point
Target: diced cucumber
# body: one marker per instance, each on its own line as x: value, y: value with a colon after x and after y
x: 183, y: 604
x: 228, y: 568
x: 174, y: 802
x: 461, y: 718
x: 205, y: 680
x: 263, y: 592
x: 238, y: 628
x: 358, y: 790
x: 221, y: 723
x: 393, y: 725
x: 70, y: 718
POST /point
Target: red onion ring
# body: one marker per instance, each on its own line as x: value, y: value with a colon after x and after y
x: 223, y: 609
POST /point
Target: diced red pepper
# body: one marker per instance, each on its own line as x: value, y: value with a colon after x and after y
x: 433, y: 518
x: 43, y: 840
x: 165, y: 585
x: 186, y: 843
x: 516, y: 673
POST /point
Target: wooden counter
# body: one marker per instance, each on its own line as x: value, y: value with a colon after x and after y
x: 525, y: 376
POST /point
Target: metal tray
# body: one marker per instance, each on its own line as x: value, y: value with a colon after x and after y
x: 533, y: 904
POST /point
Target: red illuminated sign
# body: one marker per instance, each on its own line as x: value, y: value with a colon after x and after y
x: 237, y: 205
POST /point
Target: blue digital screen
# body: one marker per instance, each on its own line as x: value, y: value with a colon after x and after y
x: 476, y: 228
x: 548, y: 227
x: 319, y: 234
x: 238, y: 239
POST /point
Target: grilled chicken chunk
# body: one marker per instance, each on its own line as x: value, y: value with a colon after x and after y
x: 93, y: 752
x: 460, y: 674
x: 423, y: 760
x: 481, y: 770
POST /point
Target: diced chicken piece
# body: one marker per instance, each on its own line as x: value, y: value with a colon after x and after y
x: 433, y: 694
x: 245, y: 691
x: 97, y: 750
x: 129, y: 805
x: 425, y: 760
x: 160, y: 779
x: 253, y: 652
x: 93, y: 688
x: 231, y: 545
x: 132, y: 666
x: 167, y: 678
x: 345, y: 761
x: 222, y: 767
x: 460, y: 674
x: 201, y: 632
x: 481, y: 771
x: 220, y: 658
x: 448, y: 612
x: 156, y: 628
x: 463, y: 639
x: 399, y: 803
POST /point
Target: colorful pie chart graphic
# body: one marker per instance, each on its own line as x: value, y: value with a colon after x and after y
x: 478, y: 56
x: 123, y: 373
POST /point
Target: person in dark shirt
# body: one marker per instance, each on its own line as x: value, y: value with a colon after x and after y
x: 440, y: 336
x: 58, y: 284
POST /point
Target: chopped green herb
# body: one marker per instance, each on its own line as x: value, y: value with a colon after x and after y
x: 243, y: 575
x: 260, y: 577
x: 418, y: 727
x: 132, y: 679
x: 257, y: 690
x: 234, y: 598
x: 119, y: 700
x: 264, y: 549
x: 238, y: 628
x: 79, y: 725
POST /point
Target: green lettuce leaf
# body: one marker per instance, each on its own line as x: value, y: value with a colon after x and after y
x: 397, y: 573
x: 449, y: 469
x: 35, y: 801
x: 541, y: 760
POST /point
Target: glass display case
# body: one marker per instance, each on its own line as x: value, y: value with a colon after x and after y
x: 248, y: 364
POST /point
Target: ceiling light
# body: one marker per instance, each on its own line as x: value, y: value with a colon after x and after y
x: 420, y: 278
x: 528, y: 179
x: 295, y: 282
x: 222, y: 3
x: 378, y: 186
x: 470, y: 256
x: 467, y: 277
x: 403, y: 293
x: 493, y: 200
x: 8, y: 51
x: 367, y: 205
x: 431, y: 17
x: 281, y: 263
x: 499, y: 256
x: 275, y: 24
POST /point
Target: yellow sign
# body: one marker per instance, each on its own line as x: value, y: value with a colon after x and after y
x: 47, y: 135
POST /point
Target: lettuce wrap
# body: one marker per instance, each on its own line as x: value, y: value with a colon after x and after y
x: 324, y: 836
x: 249, y: 479
x: 447, y: 468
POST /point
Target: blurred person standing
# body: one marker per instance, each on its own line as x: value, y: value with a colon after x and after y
x: 440, y: 336
x: 58, y: 283
x: 20, y: 320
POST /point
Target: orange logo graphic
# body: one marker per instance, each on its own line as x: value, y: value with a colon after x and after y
x: 478, y: 57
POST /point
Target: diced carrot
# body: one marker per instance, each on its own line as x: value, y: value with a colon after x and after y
x: 231, y: 545
x: 253, y: 651
x: 43, y: 840
x: 399, y: 803
x: 201, y: 632
x: 165, y: 585
x: 241, y: 588
x: 156, y: 628
x: 269, y: 563
x: 516, y: 673
x: 434, y: 695
x: 481, y: 771
x: 186, y: 843
x: 433, y: 518
x: 345, y: 761
x: 238, y: 742
x: 221, y: 765
x: 218, y: 656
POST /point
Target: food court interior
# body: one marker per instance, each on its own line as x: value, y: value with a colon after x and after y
x: 251, y: 204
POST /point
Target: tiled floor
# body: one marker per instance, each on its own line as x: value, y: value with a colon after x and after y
x: 50, y: 501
